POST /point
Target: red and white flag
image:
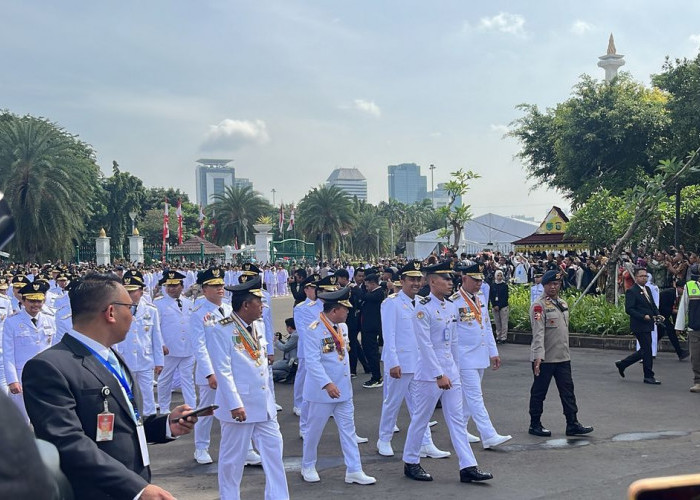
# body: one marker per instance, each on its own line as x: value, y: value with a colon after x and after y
x: 291, y: 220
x: 201, y: 222
x: 281, y: 221
x: 178, y: 212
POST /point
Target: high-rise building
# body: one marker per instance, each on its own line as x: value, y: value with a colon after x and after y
x: 406, y: 184
x: 442, y: 198
x: 349, y: 180
x: 213, y: 176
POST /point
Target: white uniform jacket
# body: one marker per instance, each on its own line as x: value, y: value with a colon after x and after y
x: 305, y: 313
x: 323, y: 364
x: 142, y: 349
x: 267, y: 319
x: 438, y: 353
x: 400, y: 348
x: 475, y: 338
x: 175, y: 325
x: 21, y: 341
x: 241, y: 382
x: 203, y: 307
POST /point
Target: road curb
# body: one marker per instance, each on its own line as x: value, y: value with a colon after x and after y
x: 616, y: 342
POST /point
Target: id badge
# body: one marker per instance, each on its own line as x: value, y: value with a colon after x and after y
x: 105, y: 425
x: 143, y: 444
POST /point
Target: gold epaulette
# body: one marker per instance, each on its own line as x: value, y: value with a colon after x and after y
x: 454, y: 296
x: 313, y: 302
x: 425, y: 300
x: 313, y: 325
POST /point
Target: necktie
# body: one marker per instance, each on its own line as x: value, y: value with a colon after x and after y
x: 413, y: 302
x: 221, y: 310
x: 114, y: 362
x: 34, y: 321
x: 179, y: 303
x: 249, y: 328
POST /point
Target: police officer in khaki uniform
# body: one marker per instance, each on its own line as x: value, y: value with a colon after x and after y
x: 549, y: 317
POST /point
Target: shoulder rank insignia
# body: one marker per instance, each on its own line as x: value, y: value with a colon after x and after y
x: 67, y: 316
x: 425, y: 300
x: 392, y: 296
x: 311, y: 303
x: 454, y: 296
x: 196, y: 308
x: 313, y: 325
x: 160, y: 297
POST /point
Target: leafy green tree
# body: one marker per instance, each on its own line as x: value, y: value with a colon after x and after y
x: 607, y: 135
x: 48, y: 176
x: 600, y: 221
x: 370, y: 228
x: 457, y: 216
x: 125, y: 193
x: 395, y: 213
x: 325, y: 213
x: 235, y: 211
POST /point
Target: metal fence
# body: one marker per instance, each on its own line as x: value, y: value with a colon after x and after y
x: 292, y: 249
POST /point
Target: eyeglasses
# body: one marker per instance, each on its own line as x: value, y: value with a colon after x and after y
x: 132, y: 307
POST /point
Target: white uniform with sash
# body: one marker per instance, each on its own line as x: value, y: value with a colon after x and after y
x: 142, y: 351
x: 327, y: 361
x: 400, y: 349
x: 476, y: 348
x: 175, y: 328
x: 438, y: 354
x: 5, y: 312
x: 238, y: 356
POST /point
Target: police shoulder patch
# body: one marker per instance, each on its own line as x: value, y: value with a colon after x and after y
x: 425, y: 300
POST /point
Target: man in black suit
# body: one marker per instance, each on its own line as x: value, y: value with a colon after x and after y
x: 81, y: 381
x: 643, y: 313
x: 668, y: 308
x: 371, y: 328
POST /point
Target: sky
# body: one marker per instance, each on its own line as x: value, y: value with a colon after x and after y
x: 290, y: 90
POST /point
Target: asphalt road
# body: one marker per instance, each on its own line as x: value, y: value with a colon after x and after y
x: 640, y: 431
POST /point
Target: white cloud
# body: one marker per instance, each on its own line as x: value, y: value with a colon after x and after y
x: 368, y: 107
x: 505, y: 22
x: 695, y: 39
x: 232, y: 134
x: 501, y: 129
x: 581, y: 27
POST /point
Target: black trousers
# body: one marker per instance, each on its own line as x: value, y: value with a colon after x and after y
x: 356, y: 353
x: 644, y: 353
x: 669, y: 330
x: 370, y: 346
x: 565, y: 385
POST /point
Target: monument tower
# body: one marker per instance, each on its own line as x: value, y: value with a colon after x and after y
x: 611, y: 61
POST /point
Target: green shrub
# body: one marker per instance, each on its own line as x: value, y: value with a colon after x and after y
x: 592, y: 315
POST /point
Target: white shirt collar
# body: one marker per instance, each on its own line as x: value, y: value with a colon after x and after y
x: 91, y: 343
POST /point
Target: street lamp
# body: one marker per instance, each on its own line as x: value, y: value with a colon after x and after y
x: 273, y: 196
x: 432, y: 185
x: 133, y: 221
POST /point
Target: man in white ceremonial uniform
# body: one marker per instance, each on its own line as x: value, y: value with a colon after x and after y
x: 477, y: 351
x: 400, y: 355
x: 282, y: 278
x: 237, y: 350
x: 57, y: 295
x: 25, y: 334
x: 327, y: 387
x: 437, y: 377
x: 174, y: 311
x: 5, y: 312
x: 142, y: 349
x: 18, y: 282
x: 270, y: 279
x: 536, y: 289
x: 304, y: 314
x: 210, y: 303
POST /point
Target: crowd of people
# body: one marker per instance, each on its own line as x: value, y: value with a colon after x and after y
x: 424, y: 332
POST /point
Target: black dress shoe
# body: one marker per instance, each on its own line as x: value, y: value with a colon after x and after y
x: 576, y: 429
x: 473, y: 473
x: 683, y: 355
x: 538, y: 430
x: 415, y: 471
x: 651, y: 380
x: 618, y: 364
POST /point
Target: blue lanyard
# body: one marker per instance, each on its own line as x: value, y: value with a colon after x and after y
x: 122, y: 381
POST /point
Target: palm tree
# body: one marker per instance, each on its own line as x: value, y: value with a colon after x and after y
x: 49, y: 178
x: 325, y: 213
x: 372, y: 228
x: 235, y: 211
x: 395, y: 213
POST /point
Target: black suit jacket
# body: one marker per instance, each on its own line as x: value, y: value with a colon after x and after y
x: 637, y: 306
x: 667, y: 299
x: 370, y: 311
x: 63, y: 395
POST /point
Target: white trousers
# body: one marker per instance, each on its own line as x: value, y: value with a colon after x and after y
x: 202, y: 429
x: 282, y: 288
x: 235, y: 442
x: 395, y: 392
x: 474, y: 402
x: 299, y: 383
x: 144, y: 379
x: 18, y: 399
x: 426, y: 396
x: 344, y: 415
x: 172, y: 366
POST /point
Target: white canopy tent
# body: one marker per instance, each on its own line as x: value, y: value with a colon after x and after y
x: 491, y: 231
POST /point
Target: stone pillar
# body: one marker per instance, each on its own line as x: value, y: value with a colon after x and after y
x: 228, y: 254
x: 136, y: 248
x: 263, y: 238
x: 102, y: 252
